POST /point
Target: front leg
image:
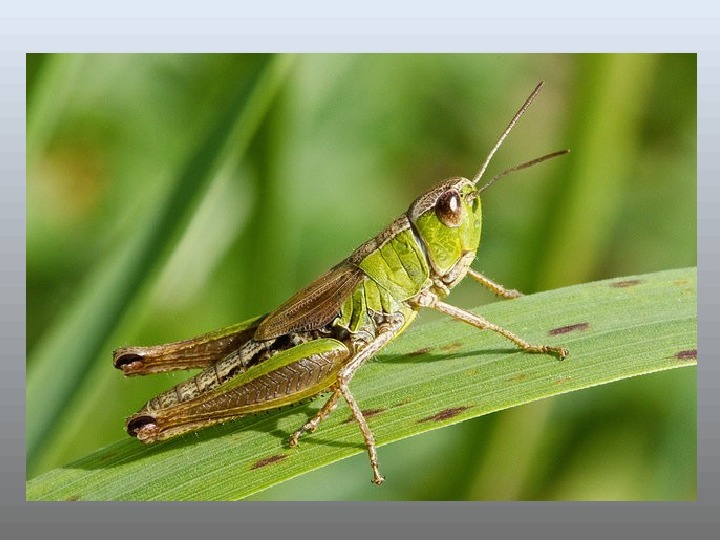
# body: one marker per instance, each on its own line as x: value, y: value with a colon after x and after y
x: 430, y: 300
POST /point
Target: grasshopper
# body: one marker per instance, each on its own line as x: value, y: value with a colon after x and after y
x: 316, y: 341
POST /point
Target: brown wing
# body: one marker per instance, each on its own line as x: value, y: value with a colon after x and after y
x: 314, y: 306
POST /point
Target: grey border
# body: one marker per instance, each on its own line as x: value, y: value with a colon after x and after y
x: 708, y: 266
x: 667, y: 31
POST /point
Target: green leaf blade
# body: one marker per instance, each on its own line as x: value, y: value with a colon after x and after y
x: 434, y: 375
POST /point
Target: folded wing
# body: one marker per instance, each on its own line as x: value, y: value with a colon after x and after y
x: 314, y: 306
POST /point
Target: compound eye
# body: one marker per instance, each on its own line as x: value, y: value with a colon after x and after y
x: 449, y: 209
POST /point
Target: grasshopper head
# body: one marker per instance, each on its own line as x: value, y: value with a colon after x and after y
x: 448, y: 220
x: 448, y: 217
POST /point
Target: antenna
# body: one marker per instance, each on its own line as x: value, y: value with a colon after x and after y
x: 522, y: 166
x: 499, y: 142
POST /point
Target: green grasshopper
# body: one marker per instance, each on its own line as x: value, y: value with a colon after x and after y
x: 316, y: 341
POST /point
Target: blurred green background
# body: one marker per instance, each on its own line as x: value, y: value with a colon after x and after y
x: 143, y: 227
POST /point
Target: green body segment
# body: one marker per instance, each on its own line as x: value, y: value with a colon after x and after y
x: 394, y: 272
x: 399, y: 266
x: 367, y: 299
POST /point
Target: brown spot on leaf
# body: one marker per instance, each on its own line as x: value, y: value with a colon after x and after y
x: 451, y: 347
x: 561, y: 380
x: 687, y: 355
x: 626, y: 283
x: 419, y: 352
x: 569, y: 328
x: 367, y: 413
x: 73, y: 498
x: 518, y: 377
x: 259, y: 464
x: 444, y: 415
